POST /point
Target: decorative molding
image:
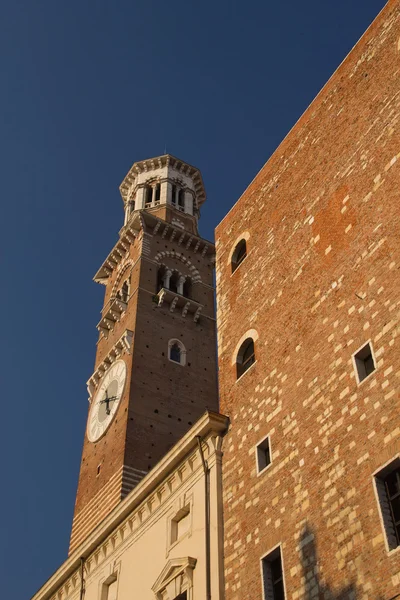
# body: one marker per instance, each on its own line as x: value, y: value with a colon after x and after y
x: 194, y: 273
x: 176, y: 301
x: 166, y: 160
x: 131, y: 515
x: 118, y: 253
x: 121, y: 269
x: 175, y: 578
x: 111, y: 314
x: 124, y: 344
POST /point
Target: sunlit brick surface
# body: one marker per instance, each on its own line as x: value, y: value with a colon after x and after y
x: 321, y: 278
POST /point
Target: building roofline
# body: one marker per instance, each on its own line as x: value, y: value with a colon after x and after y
x: 157, y: 162
x: 305, y: 112
x: 210, y: 422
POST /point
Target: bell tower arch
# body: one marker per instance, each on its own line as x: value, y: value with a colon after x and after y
x: 155, y: 367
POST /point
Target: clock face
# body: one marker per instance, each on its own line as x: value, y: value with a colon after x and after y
x: 106, y: 400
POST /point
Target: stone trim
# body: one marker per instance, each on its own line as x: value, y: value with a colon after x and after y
x: 130, y: 516
x: 157, y: 163
x: 175, y: 578
x: 194, y: 273
x: 250, y: 333
x: 124, y: 344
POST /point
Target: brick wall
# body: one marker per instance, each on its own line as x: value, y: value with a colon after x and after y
x: 320, y: 279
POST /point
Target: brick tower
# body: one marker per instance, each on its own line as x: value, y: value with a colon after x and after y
x: 155, y: 368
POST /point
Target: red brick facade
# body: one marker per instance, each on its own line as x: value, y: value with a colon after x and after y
x: 320, y: 279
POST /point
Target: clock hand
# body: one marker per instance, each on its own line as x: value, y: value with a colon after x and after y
x: 107, y: 401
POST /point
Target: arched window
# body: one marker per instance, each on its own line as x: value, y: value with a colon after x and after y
x: 158, y: 193
x: 245, y: 357
x: 177, y: 352
x: 173, y: 194
x: 181, y: 199
x: 161, y: 278
x: 173, y: 282
x: 239, y: 254
x: 187, y: 288
x: 125, y: 291
x: 148, y: 195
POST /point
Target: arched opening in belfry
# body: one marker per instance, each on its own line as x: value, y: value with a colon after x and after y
x: 148, y: 195
x: 187, y: 287
x: 181, y: 199
x: 161, y: 278
x: 174, y: 282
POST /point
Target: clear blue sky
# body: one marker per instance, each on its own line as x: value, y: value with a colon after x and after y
x: 87, y: 88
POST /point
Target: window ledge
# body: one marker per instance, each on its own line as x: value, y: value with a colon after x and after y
x: 393, y: 551
x: 177, y: 301
x: 247, y: 370
x: 366, y: 378
x: 264, y: 469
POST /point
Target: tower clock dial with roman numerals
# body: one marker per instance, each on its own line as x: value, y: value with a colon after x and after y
x: 106, y: 400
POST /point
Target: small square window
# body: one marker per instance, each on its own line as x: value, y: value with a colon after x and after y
x: 273, y: 576
x: 364, y: 362
x: 180, y: 524
x: 387, y: 483
x: 109, y: 589
x: 263, y: 455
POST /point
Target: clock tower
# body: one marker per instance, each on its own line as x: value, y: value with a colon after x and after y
x: 155, y: 369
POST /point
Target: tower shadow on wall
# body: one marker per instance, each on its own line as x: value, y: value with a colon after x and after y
x: 314, y: 589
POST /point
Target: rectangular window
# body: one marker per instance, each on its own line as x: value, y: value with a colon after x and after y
x: 273, y: 576
x: 364, y: 362
x: 109, y: 588
x: 182, y: 596
x: 387, y: 483
x: 158, y: 192
x: 180, y: 524
x: 149, y: 196
x: 263, y: 455
x: 173, y: 195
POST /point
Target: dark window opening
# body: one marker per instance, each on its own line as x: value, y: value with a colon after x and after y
x: 173, y: 196
x: 181, y: 199
x: 149, y: 195
x: 263, y: 455
x: 187, y: 288
x: 246, y: 357
x: 364, y: 362
x: 273, y: 576
x: 175, y: 353
x: 182, y: 596
x: 239, y: 255
x: 173, y: 283
x: 160, y: 279
x: 392, y: 486
x: 124, y: 292
x: 158, y: 192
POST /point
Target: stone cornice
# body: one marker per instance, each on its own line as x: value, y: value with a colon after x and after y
x: 118, y: 253
x: 122, y: 345
x: 159, y: 162
x: 139, y: 505
x: 145, y: 221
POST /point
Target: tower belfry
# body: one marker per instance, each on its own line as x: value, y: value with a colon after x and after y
x: 155, y: 367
